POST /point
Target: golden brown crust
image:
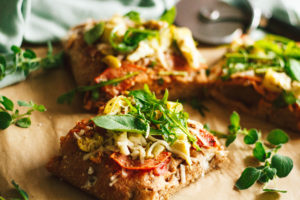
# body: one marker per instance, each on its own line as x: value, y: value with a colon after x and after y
x: 96, y: 176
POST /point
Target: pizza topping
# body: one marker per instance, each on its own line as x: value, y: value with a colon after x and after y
x: 151, y: 163
x: 274, y: 59
x: 137, y: 39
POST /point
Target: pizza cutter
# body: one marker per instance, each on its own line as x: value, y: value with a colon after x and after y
x: 221, y: 21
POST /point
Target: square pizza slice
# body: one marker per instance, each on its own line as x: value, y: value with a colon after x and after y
x: 261, y: 78
x: 139, y: 147
x: 124, y: 53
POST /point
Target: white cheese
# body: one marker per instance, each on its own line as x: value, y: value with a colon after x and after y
x: 184, y: 39
x: 276, y: 81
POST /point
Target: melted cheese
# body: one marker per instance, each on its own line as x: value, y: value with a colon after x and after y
x: 184, y: 39
x: 276, y: 81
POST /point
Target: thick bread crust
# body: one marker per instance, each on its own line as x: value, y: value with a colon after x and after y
x: 96, y: 177
x: 86, y: 64
x: 244, y: 98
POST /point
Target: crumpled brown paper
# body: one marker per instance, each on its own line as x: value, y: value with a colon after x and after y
x: 25, y: 152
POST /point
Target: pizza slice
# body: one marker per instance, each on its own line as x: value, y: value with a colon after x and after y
x: 139, y: 147
x: 126, y: 52
x: 261, y: 78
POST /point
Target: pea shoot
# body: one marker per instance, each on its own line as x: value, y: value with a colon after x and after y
x: 272, y: 165
x: 10, y: 116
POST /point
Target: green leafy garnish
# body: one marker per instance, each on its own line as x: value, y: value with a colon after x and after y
x: 274, y: 165
x: 10, y: 116
x: 284, y: 99
x: 249, y: 176
x: 134, y: 16
x: 26, y: 61
x: 169, y: 15
x: 69, y: 96
x: 143, y: 118
x: 127, y: 123
x: 131, y: 39
x: 22, y: 193
x: 93, y: 34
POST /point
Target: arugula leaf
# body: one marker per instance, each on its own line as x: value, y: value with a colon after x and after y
x: 251, y: 137
x: 169, y: 15
x: 293, y: 69
x: 69, y: 96
x: 282, y: 164
x: 277, y: 136
x: 132, y: 38
x: 121, y: 123
x: 249, y: 176
x: 134, y: 16
x: 93, y: 34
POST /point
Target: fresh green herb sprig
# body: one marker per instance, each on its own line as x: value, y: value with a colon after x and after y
x: 143, y: 117
x: 272, y: 52
x: 273, y: 164
x: 26, y: 61
x: 94, y: 33
x: 69, y: 96
x: 22, y: 193
x: 134, y: 16
x: 10, y: 116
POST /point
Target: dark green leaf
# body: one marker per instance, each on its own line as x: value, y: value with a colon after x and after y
x: 5, y: 120
x: 251, y: 137
x: 274, y: 190
x: 277, y: 136
x: 20, y: 190
x: 293, y: 69
x: 230, y: 139
x: 23, y: 122
x: 267, y: 174
x: 134, y: 16
x: 259, y: 152
x: 120, y: 123
x: 29, y: 54
x: 16, y: 49
x: 169, y: 15
x: 282, y: 164
x: 249, y: 176
x: 7, y: 103
x: 93, y: 34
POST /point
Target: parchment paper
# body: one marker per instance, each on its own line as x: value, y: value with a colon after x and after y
x: 24, y: 152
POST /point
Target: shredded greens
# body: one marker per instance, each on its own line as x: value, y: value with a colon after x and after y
x: 272, y: 164
x: 149, y: 115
